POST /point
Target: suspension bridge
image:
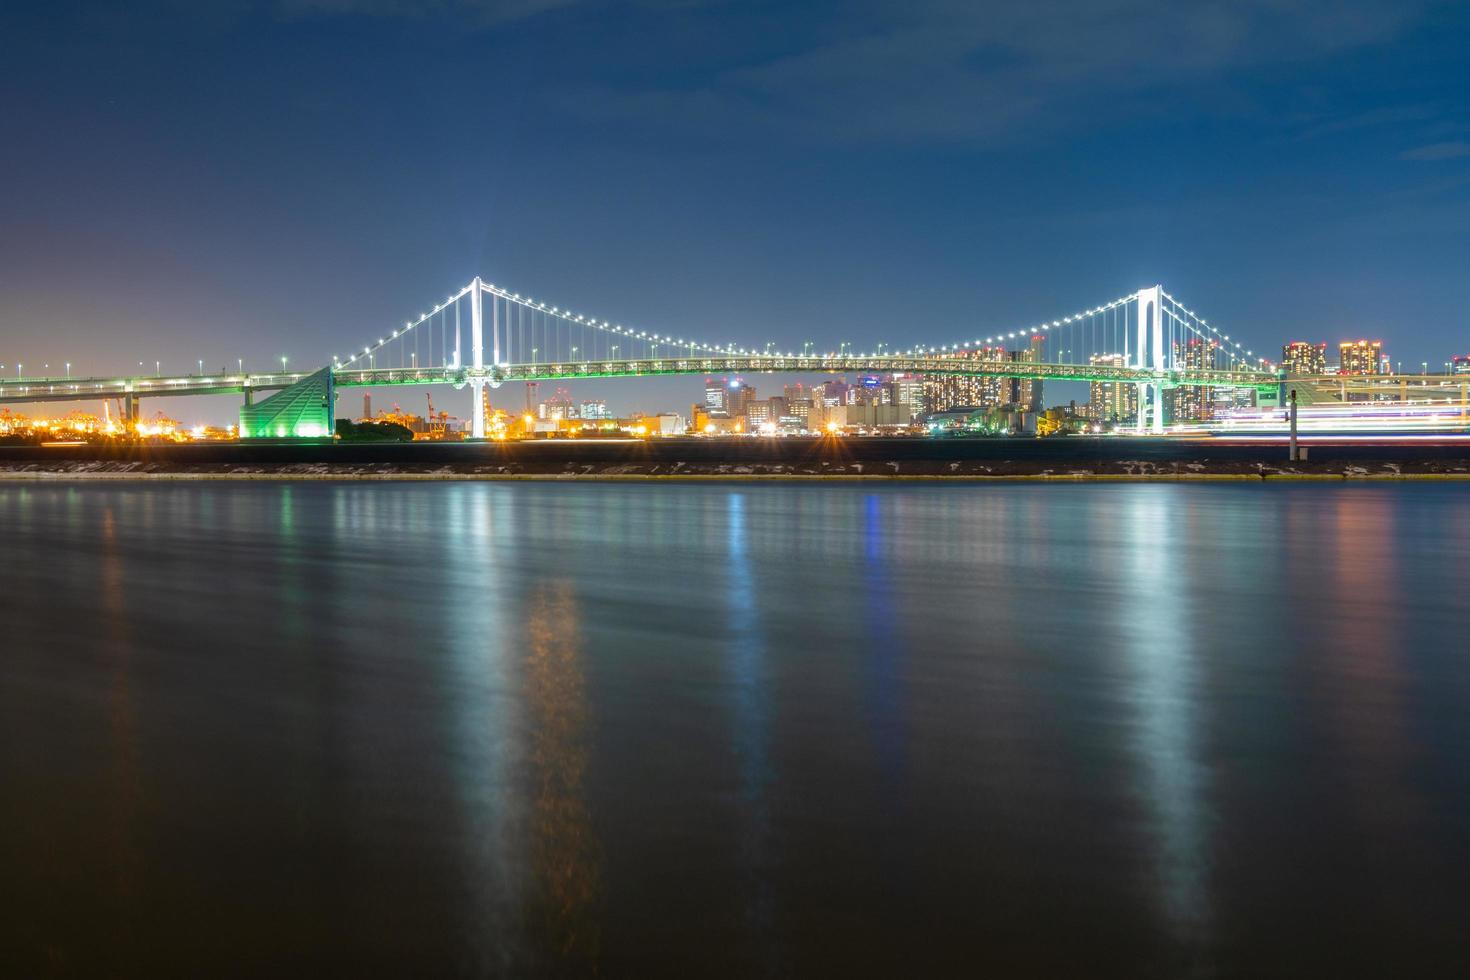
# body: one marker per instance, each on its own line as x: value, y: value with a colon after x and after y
x: 484, y: 336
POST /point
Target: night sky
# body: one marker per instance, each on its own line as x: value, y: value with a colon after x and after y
x: 235, y: 179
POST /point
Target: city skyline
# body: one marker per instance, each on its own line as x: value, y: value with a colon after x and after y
x: 204, y: 209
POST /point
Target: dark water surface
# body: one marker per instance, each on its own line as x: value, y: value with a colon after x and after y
x: 631, y: 730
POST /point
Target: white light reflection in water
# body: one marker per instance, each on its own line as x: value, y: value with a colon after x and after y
x: 489, y: 719
x: 1155, y: 614
x: 751, y: 728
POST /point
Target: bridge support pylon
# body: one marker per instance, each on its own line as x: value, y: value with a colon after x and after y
x: 477, y: 359
x: 1150, y: 355
x: 477, y: 408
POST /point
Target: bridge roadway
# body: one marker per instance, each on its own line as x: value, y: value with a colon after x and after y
x: 26, y: 390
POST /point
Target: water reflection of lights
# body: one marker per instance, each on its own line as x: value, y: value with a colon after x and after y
x: 1156, y: 622
x: 565, y: 854
x: 126, y: 783
x: 751, y: 726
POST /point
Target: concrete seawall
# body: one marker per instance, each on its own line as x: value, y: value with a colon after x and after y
x: 744, y: 459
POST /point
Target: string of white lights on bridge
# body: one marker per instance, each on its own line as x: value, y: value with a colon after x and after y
x: 1105, y: 331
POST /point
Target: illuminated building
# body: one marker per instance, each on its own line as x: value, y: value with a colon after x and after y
x: 943, y: 392
x: 868, y: 416
x: 1302, y: 357
x: 306, y: 410
x: 595, y: 410
x: 740, y: 397
x: 761, y: 412
x: 664, y: 424
x: 1460, y: 364
x: 715, y: 398
x: 558, y: 406
x: 1194, y: 402
x: 908, y: 393
x: 1360, y: 356
x: 870, y: 391
x: 1114, y: 402
x: 1025, y: 393
x: 830, y: 394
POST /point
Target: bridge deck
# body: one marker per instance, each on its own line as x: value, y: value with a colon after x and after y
x: 23, y: 390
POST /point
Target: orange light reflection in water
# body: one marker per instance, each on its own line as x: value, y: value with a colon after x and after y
x: 565, y: 855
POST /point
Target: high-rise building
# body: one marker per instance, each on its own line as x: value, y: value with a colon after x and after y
x: 831, y: 393
x: 1302, y: 357
x: 907, y: 391
x: 1360, y: 356
x: 1194, y: 402
x: 870, y: 391
x: 596, y: 410
x: 799, y: 402
x: 943, y: 392
x: 1025, y: 393
x: 716, y: 396
x: 1112, y: 402
x: 739, y: 398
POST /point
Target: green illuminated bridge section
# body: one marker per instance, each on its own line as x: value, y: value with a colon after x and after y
x: 1324, y: 388
x: 80, y: 389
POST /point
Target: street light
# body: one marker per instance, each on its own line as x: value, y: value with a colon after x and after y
x: 68, y: 369
x: 201, y: 367
x: 283, y: 363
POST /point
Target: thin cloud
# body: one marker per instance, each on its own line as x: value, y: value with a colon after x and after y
x: 1451, y: 150
x: 475, y: 12
x: 958, y: 70
x: 1386, y: 116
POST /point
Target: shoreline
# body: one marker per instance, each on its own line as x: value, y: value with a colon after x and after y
x: 287, y: 475
x: 747, y: 461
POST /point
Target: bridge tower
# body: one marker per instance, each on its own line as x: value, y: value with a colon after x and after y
x: 477, y: 360
x: 1150, y: 356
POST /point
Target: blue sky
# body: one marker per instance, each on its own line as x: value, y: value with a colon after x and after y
x: 237, y: 179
